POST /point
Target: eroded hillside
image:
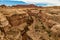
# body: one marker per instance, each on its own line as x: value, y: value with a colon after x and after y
x: 32, y: 23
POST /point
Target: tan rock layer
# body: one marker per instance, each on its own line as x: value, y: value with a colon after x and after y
x: 29, y: 24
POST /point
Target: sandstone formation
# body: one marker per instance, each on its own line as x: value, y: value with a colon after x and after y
x: 29, y: 23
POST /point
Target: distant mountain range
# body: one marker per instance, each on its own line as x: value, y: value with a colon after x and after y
x: 10, y: 3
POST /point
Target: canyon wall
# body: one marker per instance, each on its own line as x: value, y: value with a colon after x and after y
x: 29, y: 23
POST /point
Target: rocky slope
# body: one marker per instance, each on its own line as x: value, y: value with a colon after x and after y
x: 30, y: 23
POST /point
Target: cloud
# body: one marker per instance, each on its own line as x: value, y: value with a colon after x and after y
x: 47, y: 2
x: 53, y: 2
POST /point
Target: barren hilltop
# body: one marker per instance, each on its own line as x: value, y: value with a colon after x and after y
x: 29, y: 22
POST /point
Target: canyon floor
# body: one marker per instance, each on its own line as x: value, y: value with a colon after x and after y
x: 29, y: 23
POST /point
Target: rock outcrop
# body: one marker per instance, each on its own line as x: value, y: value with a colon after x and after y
x: 29, y: 23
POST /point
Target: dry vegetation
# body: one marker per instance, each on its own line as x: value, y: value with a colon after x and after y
x: 29, y: 23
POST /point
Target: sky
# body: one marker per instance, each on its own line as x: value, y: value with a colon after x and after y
x: 36, y: 2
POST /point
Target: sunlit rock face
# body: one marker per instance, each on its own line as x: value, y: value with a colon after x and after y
x: 29, y: 23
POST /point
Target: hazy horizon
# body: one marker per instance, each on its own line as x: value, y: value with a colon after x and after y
x: 35, y: 2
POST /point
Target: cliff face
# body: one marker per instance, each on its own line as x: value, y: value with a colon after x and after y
x: 38, y: 23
